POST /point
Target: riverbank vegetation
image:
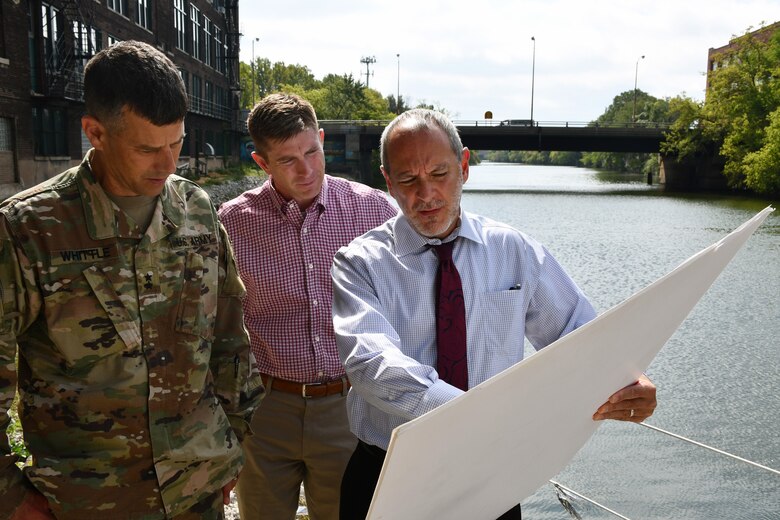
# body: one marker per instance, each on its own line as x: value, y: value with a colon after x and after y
x: 739, y: 121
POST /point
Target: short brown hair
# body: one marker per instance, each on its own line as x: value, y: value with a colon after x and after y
x: 278, y: 117
x: 135, y: 75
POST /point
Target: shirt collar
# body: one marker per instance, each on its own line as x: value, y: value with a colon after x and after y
x: 408, y: 241
x: 320, y: 202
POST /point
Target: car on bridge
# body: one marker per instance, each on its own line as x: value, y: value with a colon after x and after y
x: 517, y: 122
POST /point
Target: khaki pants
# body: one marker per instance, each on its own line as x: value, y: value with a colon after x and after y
x: 295, y: 441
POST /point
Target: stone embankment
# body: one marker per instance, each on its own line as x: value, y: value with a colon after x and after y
x: 225, y: 191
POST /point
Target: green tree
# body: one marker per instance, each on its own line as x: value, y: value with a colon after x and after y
x: 396, y: 107
x: 630, y: 108
x: 343, y: 96
x: 738, y: 119
x: 762, y: 167
x: 245, y: 77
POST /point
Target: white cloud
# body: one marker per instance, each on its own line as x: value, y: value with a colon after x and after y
x: 473, y: 56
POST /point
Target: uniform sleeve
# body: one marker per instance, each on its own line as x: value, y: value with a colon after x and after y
x: 371, y: 349
x: 18, y: 302
x: 237, y: 379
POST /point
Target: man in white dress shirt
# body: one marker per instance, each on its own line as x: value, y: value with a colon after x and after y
x: 384, y: 307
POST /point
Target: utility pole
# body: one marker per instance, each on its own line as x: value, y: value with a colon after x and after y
x: 368, y: 60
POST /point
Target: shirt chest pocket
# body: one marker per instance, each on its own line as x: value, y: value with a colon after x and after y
x: 502, y: 319
x: 87, y: 318
x: 198, y: 300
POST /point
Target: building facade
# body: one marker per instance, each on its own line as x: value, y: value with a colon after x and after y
x: 45, y: 44
x: 720, y: 57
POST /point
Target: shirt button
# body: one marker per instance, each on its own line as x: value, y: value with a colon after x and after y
x: 315, y: 302
x: 305, y: 230
x: 311, y: 266
x: 317, y: 339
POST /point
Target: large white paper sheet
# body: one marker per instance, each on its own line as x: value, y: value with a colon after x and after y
x: 484, y: 452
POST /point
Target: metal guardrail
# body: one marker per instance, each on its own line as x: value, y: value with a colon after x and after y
x: 504, y: 123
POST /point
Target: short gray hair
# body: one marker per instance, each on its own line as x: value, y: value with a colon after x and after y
x: 418, y: 119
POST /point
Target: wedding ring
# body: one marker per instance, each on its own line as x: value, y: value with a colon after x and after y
x: 632, y: 413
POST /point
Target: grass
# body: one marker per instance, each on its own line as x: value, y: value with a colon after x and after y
x: 15, y: 437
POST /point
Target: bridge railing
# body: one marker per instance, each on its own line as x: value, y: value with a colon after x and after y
x: 507, y: 123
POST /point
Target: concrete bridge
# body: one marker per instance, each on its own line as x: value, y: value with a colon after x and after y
x: 349, y: 145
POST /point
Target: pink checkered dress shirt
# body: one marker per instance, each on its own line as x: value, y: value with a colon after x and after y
x: 284, y: 258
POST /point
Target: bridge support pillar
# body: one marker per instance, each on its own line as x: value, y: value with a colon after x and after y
x: 701, y: 173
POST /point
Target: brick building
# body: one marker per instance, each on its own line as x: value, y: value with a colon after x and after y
x: 719, y: 57
x: 44, y: 45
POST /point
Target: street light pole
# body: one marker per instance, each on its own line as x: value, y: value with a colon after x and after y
x: 636, y: 74
x: 533, y: 72
x: 253, y: 70
x: 398, y: 86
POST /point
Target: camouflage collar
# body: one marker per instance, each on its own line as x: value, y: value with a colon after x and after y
x: 104, y: 221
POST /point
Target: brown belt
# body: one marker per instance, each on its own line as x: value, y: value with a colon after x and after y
x: 307, y: 390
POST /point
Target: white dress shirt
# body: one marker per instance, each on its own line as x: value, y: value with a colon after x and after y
x: 384, y: 315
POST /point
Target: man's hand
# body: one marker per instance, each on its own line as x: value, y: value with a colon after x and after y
x: 633, y: 403
x: 33, y: 507
x: 226, y: 489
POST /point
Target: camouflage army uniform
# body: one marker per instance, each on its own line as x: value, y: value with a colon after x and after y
x: 133, y: 359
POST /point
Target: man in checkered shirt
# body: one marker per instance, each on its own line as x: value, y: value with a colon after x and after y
x: 285, y: 234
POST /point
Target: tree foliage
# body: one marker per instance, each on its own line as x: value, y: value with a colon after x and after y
x: 739, y: 118
x: 333, y: 97
x: 632, y: 107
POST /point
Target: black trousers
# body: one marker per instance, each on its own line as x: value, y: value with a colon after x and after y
x: 360, y: 479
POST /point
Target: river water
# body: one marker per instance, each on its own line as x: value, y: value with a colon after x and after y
x: 718, y: 377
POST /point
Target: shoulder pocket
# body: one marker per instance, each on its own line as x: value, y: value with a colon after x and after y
x: 198, y: 302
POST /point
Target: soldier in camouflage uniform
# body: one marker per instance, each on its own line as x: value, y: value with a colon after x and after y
x: 118, y: 285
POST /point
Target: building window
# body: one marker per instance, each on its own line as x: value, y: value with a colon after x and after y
x: 209, y: 99
x: 209, y: 43
x: 2, y: 34
x: 50, y: 29
x: 49, y: 125
x: 86, y: 42
x: 179, y: 23
x: 221, y: 103
x: 118, y: 6
x: 6, y: 134
x: 112, y: 40
x: 144, y: 14
x: 219, y: 51
x: 185, y: 77
x: 195, y: 19
x: 196, y: 100
x: 7, y: 169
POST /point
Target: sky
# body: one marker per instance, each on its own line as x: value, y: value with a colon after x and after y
x: 471, y: 57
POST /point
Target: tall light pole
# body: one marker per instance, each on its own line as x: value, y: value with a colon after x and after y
x: 398, y: 86
x: 636, y: 74
x: 533, y: 72
x: 253, y: 70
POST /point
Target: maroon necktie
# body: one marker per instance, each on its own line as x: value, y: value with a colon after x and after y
x: 451, y: 361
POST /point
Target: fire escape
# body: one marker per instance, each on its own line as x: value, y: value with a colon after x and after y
x: 75, y: 43
x: 232, y: 37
